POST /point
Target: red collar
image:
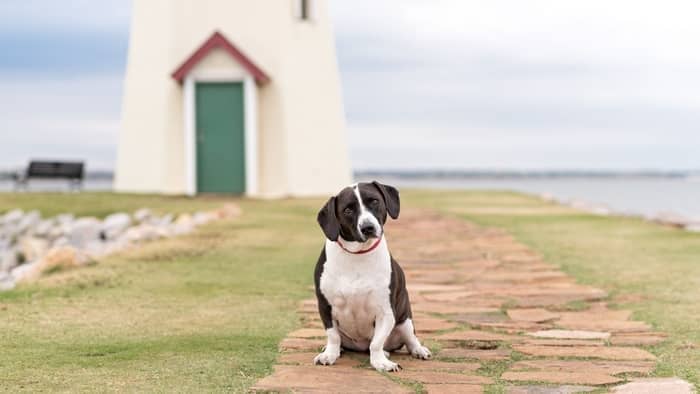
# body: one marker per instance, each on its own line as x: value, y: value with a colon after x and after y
x: 371, y: 248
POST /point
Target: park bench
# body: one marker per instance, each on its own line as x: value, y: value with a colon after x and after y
x: 71, y: 171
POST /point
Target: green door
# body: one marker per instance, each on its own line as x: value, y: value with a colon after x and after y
x: 220, y: 138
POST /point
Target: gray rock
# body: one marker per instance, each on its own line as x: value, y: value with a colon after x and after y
x: 28, y: 221
x: 33, y: 248
x: 13, y: 216
x: 655, y: 386
x: 201, y: 218
x: 43, y: 228
x: 65, y: 218
x: 8, y: 260
x: 115, y: 224
x: 143, y: 215
x: 83, y: 231
x: 18, y: 273
x: 183, y: 225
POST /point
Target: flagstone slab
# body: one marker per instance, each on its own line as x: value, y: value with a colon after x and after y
x: 570, y: 334
x: 432, y: 324
x: 308, y: 333
x: 533, y: 315
x: 636, y: 339
x: 478, y: 354
x: 409, y: 363
x: 565, y: 389
x: 324, y: 379
x: 613, y: 326
x: 563, y: 342
x: 435, y: 377
x: 451, y: 308
x: 655, y: 386
x: 476, y: 335
x: 586, y: 378
x: 432, y: 288
x: 604, y: 352
x: 451, y: 296
x: 307, y: 358
x: 301, y: 344
x: 606, y: 367
x: 453, y: 389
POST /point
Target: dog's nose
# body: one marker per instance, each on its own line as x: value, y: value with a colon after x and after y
x: 367, y: 229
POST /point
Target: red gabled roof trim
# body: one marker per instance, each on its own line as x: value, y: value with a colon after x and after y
x: 217, y: 40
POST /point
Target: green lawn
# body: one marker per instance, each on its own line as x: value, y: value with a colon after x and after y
x: 205, y: 312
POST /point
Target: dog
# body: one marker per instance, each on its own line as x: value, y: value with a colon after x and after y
x: 361, y: 289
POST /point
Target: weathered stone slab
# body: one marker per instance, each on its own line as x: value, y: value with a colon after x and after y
x: 307, y: 358
x: 655, y: 386
x: 431, y: 324
x: 453, y: 389
x: 308, y: 333
x: 478, y: 354
x: 604, y: 352
x: 570, y: 334
x: 606, y: 367
x: 589, y: 378
x: 563, y: 342
x: 433, y: 377
x: 451, y: 296
x: 324, y: 379
x: 605, y: 325
x: 635, y: 339
x: 476, y: 335
x: 450, y: 308
x: 301, y: 344
x: 533, y: 315
x: 409, y: 364
x: 565, y: 389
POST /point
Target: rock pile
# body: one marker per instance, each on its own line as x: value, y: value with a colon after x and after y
x: 31, y: 245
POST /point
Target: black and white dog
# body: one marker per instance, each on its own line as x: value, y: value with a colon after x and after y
x: 361, y: 290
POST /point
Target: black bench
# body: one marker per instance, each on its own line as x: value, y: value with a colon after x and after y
x: 72, y: 171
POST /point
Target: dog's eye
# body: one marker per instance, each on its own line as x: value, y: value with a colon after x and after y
x: 374, y: 202
x: 348, y: 211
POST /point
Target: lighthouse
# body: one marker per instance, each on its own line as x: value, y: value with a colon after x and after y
x: 233, y: 97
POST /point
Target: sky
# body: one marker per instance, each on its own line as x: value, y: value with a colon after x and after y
x: 440, y: 84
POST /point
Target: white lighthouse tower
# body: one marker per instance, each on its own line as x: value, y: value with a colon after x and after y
x: 232, y: 96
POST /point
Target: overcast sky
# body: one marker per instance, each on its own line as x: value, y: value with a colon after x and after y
x: 427, y: 84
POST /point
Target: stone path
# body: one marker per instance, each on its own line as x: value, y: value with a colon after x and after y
x: 494, y: 313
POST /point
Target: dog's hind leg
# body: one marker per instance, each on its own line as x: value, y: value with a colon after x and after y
x: 407, y: 333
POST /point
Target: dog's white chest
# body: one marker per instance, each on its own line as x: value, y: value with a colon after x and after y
x: 357, y: 288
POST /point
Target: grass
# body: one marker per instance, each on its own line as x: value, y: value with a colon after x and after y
x: 205, y: 312
x: 652, y: 270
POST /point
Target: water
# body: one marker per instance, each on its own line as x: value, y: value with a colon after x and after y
x: 41, y: 185
x: 647, y: 196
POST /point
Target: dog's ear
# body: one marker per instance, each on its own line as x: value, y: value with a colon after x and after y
x: 391, y: 198
x: 328, y: 220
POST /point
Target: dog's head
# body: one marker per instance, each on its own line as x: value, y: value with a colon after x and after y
x: 359, y: 211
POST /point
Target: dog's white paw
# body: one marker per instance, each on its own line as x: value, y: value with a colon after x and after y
x: 326, y: 358
x: 385, y: 365
x: 387, y: 354
x: 422, y: 352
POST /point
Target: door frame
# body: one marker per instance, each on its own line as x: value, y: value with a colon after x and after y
x: 250, y: 113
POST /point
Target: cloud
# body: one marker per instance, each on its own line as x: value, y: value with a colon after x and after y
x: 454, y: 83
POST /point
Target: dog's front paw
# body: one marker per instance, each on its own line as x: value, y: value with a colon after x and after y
x: 385, y: 365
x: 326, y: 358
x: 422, y: 352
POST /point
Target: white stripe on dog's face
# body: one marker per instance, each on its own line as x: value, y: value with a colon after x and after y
x: 366, y: 218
